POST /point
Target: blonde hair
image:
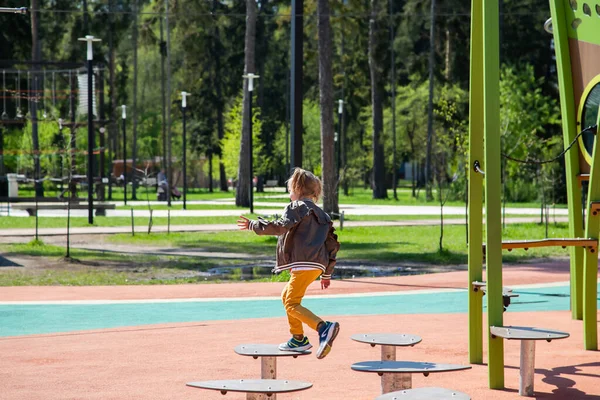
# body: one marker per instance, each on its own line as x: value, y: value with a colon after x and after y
x: 305, y: 184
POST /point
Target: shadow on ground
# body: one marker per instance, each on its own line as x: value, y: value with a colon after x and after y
x: 5, y: 262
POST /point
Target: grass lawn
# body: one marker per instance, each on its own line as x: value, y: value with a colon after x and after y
x: 373, y: 243
x: 86, y: 268
x: 375, y: 246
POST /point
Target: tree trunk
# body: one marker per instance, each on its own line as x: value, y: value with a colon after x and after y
x: 330, y: 184
x: 220, y: 131
x: 448, y: 69
x: 242, y: 194
x: 35, y: 56
x: 378, y: 184
x: 428, y: 176
x: 393, y: 84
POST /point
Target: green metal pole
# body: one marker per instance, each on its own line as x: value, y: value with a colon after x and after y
x: 590, y: 272
x: 572, y: 168
x: 475, y: 190
x: 493, y: 234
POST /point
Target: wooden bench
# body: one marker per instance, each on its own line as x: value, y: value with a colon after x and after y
x: 406, y: 367
x: 388, y: 343
x: 427, y: 393
x: 507, y: 293
x: 271, y: 183
x: 527, y: 336
x: 268, y: 354
x: 31, y: 208
x: 254, y: 388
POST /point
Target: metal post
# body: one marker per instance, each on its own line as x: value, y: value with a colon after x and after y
x: 296, y: 61
x: 91, y: 139
x: 340, y: 141
x: 19, y: 10
x: 102, y: 163
x: 184, y: 164
x: 250, y: 168
x: 62, y: 154
x: 91, y: 142
x: 73, y: 144
x: 123, y: 119
x: 183, y: 109
x: 251, y: 78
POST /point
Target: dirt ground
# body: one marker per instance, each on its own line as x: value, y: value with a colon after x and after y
x: 191, y: 264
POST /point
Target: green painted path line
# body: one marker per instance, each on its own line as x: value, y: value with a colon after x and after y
x: 30, y: 319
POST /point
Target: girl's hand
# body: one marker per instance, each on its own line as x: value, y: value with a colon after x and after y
x: 325, y: 283
x: 243, y: 223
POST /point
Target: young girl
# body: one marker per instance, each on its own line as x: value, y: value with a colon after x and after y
x: 307, y: 247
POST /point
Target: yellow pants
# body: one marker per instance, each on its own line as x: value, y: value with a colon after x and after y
x: 292, y: 296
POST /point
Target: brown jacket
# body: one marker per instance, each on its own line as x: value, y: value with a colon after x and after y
x: 306, y: 237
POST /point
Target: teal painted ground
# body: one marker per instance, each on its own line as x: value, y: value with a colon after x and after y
x: 17, y: 320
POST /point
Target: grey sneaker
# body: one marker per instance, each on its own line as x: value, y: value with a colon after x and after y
x: 296, y: 345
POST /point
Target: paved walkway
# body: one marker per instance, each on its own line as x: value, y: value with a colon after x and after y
x: 275, y: 207
x: 232, y: 227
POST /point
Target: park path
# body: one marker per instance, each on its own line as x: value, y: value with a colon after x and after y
x: 12, y: 232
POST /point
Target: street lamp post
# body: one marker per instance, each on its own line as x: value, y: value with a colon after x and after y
x: 184, y: 96
x: 123, y: 119
x: 90, y: 173
x: 340, y: 139
x: 250, y: 78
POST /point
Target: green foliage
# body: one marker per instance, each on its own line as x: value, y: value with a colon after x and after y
x: 207, y: 60
x: 529, y: 127
x: 230, y: 145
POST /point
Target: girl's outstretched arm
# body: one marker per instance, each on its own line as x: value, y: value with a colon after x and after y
x: 243, y: 223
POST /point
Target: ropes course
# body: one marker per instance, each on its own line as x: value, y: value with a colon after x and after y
x: 56, y: 94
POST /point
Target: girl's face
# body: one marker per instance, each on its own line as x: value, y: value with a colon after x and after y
x: 294, y: 196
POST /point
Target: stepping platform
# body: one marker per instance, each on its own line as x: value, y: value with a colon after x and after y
x: 507, y: 293
x: 268, y: 354
x: 388, y: 343
x: 387, y: 339
x: 527, y: 336
x: 267, y: 350
x: 407, y: 367
x: 383, y: 368
x: 253, y: 387
x: 428, y: 393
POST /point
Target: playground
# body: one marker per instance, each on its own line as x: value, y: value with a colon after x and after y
x: 147, y: 342
x: 466, y: 333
